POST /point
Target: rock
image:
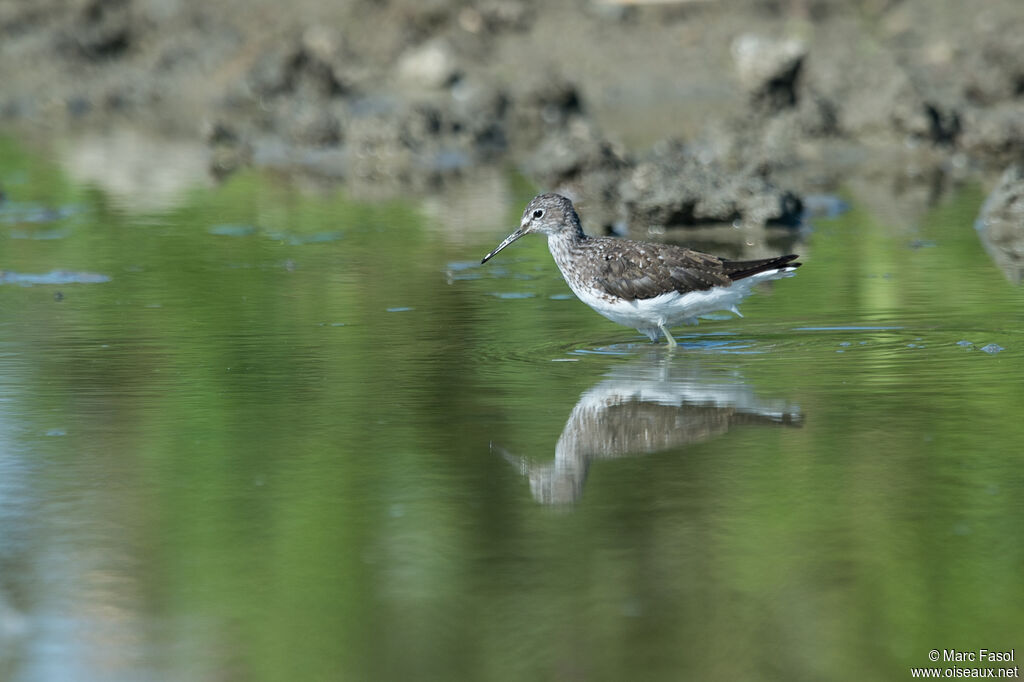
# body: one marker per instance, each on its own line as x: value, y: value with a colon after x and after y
x: 415, y: 146
x: 506, y: 15
x: 994, y: 135
x: 564, y: 156
x: 922, y: 118
x: 994, y: 71
x: 313, y: 126
x: 769, y: 69
x: 385, y: 142
x: 1000, y: 223
x: 271, y: 75
x: 322, y: 44
x: 219, y: 131
x: 542, y: 105
x: 313, y: 66
x: 482, y: 110
x: 431, y: 65
x: 817, y: 115
x: 103, y: 29
x: 674, y: 187
x: 495, y: 16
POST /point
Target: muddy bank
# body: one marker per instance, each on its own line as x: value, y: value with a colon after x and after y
x: 674, y: 114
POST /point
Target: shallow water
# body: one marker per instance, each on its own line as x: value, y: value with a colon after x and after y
x: 265, y: 435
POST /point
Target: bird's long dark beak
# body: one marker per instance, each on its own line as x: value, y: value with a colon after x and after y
x: 508, y: 240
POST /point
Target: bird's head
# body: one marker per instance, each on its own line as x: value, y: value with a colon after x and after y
x: 545, y: 214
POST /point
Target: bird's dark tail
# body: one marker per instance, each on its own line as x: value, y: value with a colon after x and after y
x: 738, y: 269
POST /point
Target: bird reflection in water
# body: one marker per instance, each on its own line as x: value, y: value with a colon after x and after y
x: 642, y: 408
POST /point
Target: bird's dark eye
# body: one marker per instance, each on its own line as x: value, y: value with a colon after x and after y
x: 538, y: 213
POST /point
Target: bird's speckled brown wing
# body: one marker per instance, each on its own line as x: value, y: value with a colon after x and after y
x: 634, y: 270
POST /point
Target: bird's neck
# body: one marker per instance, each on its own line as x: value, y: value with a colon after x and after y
x: 564, y: 246
x: 572, y: 234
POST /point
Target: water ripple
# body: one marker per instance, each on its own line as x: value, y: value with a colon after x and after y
x: 52, y: 277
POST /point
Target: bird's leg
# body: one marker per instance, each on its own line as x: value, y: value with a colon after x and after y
x: 668, y: 337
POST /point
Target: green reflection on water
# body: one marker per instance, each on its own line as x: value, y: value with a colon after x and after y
x: 232, y: 462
